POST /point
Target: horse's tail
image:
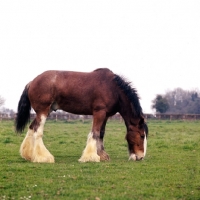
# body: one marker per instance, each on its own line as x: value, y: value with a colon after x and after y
x: 23, y: 111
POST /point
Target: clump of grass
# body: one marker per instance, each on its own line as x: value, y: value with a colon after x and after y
x: 7, y: 140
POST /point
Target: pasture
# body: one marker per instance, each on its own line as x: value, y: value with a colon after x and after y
x: 171, y: 169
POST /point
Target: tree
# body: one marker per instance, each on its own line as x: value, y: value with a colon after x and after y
x: 179, y: 102
x: 160, y: 103
x: 2, y: 101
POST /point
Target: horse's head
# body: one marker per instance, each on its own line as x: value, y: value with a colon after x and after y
x: 137, y: 140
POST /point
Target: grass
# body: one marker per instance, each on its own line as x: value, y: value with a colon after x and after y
x: 171, y: 169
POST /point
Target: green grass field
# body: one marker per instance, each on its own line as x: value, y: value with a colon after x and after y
x: 171, y: 169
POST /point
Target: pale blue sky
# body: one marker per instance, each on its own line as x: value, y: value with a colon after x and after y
x: 155, y: 44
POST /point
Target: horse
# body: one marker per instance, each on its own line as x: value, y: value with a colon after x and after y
x: 100, y: 93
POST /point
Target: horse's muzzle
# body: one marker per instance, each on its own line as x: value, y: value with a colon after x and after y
x: 135, y: 157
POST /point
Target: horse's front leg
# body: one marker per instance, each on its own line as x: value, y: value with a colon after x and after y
x: 94, y: 150
x: 101, y: 151
x: 90, y: 152
x: 100, y: 145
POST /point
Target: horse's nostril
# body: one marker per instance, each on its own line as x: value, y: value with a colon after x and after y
x: 139, y: 158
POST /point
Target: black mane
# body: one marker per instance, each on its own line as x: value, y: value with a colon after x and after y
x: 131, y: 93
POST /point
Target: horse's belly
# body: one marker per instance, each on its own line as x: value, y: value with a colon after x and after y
x: 76, y: 108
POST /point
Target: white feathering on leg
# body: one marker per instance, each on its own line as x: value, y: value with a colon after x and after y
x: 90, y: 151
x: 26, y: 148
x: 40, y: 152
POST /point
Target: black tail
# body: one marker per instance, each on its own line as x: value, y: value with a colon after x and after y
x: 23, y: 111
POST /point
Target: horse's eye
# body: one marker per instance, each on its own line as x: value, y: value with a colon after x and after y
x: 142, y: 136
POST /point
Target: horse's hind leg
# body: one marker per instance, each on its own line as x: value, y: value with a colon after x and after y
x: 32, y: 148
x: 40, y: 152
x: 26, y: 148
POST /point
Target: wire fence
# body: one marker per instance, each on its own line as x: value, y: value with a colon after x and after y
x: 72, y: 117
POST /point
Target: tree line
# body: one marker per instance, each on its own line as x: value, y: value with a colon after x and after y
x: 178, y: 101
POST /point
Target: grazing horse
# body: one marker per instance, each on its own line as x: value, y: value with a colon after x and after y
x: 100, y: 93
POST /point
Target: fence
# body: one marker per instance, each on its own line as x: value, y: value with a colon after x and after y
x: 174, y: 116
x: 70, y: 117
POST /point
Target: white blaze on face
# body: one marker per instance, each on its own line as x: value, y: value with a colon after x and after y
x: 145, y: 144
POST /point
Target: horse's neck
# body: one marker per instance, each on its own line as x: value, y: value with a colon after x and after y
x: 125, y: 111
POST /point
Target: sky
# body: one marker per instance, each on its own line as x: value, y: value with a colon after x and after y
x: 154, y: 44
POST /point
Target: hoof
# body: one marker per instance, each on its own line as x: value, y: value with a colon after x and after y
x: 42, y: 155
x: 40, y: 159
x: 90, y: 158
x: 25, y: 157
x: 103, y: 156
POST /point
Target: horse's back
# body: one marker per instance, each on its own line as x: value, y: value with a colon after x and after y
x: 76, y: 92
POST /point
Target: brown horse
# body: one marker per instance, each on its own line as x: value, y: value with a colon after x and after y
x: 100, y: 93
